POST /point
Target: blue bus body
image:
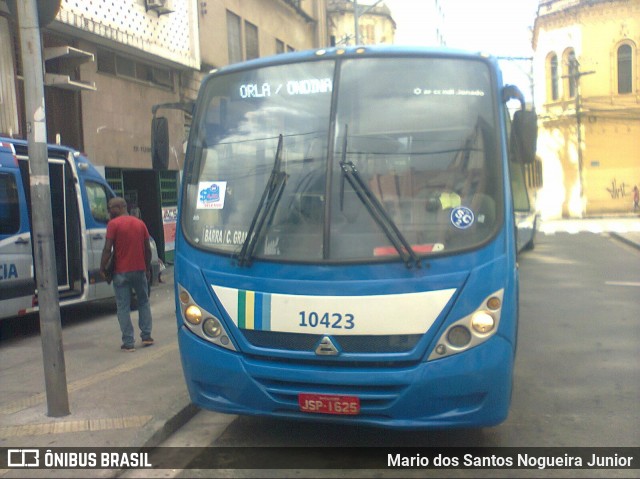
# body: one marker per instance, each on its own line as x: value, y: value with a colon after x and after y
x: 527, y: 216
x: 338, y: 321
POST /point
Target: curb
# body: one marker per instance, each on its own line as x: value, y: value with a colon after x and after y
x: 171, y: 425
x: 619, y: 237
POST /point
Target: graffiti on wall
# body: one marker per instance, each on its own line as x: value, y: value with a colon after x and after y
x: 618, y: 191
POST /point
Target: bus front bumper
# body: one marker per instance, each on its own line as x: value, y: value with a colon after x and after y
x: 471, y: 389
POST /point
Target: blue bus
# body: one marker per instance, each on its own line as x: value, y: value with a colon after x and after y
x: 346, y: 246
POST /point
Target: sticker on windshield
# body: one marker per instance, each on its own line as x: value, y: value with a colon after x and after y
x: 211, y: 195
x: 447, y: 92
x: 218, y: 236
x: 462, y: 217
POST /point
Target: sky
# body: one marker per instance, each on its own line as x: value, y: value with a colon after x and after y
x: 500, y: 27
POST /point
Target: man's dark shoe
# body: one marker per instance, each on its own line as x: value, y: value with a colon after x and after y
x: 128, y: 348
x: 147, y: 342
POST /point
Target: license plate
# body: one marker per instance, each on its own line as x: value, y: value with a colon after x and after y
x: 329, y: 404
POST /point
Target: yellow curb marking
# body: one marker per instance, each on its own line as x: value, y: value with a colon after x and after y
x: 73, y: 426
x: 139, y: 361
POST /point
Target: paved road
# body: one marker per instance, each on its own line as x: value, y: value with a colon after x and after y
x: 577, y: 377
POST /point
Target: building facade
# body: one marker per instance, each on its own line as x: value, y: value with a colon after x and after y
x: 376, y: 25
x: 232, y: 31
x: 587, y: 92
x: 109, y: 62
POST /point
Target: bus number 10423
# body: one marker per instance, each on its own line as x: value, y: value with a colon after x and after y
x: 312, y: 319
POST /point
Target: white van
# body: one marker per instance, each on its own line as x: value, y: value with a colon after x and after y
x: 79, y: 196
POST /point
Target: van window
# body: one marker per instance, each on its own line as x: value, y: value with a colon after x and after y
x: 98, y: 198
x: 9, y: 208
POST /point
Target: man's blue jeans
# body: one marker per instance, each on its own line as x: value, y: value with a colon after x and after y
x: 123, y: 283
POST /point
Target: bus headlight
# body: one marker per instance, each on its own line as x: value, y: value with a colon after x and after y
x: 212, y: 327
x: 184, y: 297
x: 459, y: 336
x: 193, y: 314
x: 494, y: 303
x: 482, y: 322
x: 201, y: 322
x: 471, y: 330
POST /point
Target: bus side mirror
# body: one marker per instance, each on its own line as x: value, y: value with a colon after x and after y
x: 160, y: 143
x: 160, y: 133
x: 524, y: 136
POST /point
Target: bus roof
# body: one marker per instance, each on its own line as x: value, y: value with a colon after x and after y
x: 7, y: 155
x: 54, y: 151
x: 351, y: 52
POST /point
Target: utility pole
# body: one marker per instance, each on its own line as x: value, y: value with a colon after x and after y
x: 42, y: 222
x: 574, y: 76
x: 356, y: 21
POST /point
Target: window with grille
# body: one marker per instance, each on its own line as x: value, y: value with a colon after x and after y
x: 114, y: 64
x: 571, y: 63
x: 553, y: 76
x: 251, y: 40
x: 625, y: 73
x: 234, y: 38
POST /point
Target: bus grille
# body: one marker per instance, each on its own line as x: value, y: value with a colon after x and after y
x: 372, y: 398
x: 348, y: 344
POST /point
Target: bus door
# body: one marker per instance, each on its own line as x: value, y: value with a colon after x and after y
x: 66, y: 225
x: 66, y: 228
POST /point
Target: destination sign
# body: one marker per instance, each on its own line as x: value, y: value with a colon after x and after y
x: 310, y: 86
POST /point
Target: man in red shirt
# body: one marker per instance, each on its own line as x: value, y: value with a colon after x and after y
x: 129, y: 238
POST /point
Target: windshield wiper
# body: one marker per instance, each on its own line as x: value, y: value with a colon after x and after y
x: 378, y: 213
x: 266, y: 209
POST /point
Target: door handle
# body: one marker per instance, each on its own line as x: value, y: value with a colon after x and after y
x: 22, y: 241
x: 97, y: 237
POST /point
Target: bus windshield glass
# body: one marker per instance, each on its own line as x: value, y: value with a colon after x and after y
x: 413, y: 152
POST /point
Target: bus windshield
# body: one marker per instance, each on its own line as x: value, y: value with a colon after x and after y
x: 420, y: 143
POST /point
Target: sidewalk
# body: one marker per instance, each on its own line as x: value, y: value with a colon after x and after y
x: 623, y: 228
x: 116, y: 398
